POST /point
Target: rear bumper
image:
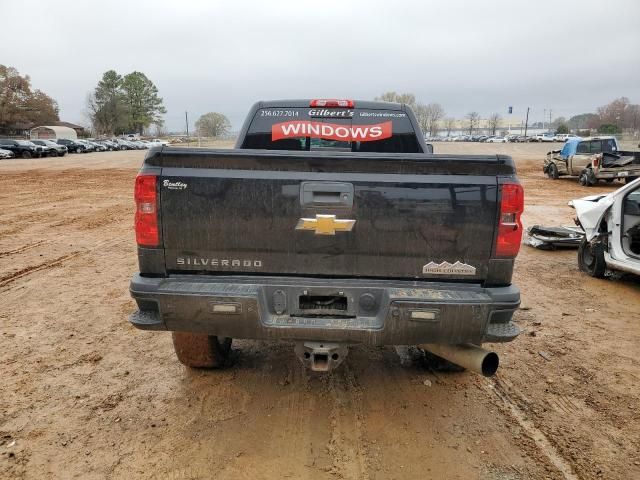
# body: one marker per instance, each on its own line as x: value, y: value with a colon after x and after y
x: 377, y: 312
x: 603, y: 173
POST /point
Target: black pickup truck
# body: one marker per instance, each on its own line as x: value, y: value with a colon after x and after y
x: 331, y: 223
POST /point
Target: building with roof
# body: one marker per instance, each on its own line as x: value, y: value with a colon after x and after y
x: 80, y: 130
x: 53, y: 132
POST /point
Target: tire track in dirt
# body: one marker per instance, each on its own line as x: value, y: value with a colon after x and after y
x: 12, y: 277
x: 56, y: 262
x: 21, y: 249
x: 346, y: 446
x: 499, y: 388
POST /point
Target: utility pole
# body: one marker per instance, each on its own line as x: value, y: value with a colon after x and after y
x: 526, y: 124
x: 550, y: 117
x: 186, y: 121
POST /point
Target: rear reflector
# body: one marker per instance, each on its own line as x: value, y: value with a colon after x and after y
x: 226, y: 308
x: 331, y: 102
x: 146, y: 222
x: 510, y: 226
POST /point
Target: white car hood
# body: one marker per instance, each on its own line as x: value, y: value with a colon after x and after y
x: 592, y: 209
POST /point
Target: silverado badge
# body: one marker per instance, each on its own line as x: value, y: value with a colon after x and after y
x: 325, y: 224
x: 446, y: 268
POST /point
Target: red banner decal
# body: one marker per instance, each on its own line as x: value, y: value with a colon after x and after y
x: 331, y: 131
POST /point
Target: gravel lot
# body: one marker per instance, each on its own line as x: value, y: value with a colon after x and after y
x: 84, y: 395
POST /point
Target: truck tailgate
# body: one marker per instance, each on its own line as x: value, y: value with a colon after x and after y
x: 279, y: 213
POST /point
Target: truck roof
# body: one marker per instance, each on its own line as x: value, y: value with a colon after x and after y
x: 597, y: 137
x: 304, y: 103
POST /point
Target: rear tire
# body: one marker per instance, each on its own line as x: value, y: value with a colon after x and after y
x: 591, y: 259
x: 552, y: 171
x: 587, y: 178
x: 199, y: 350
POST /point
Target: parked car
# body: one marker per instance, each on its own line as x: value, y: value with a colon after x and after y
x: 4, y: 154
x: 592, y: 159
x: 139, y: 145
x: 51, y: 148
x: 124, y: 144
x: 563, y: 137
x: 497, y: 140
x: 21, y: 148
x: 162, y: 142
x: 88, y: 146
x: 99, y: 147
x: 108, y: 144
x: 72, y: 145
x: 612, y: 231
x: 542, y: 137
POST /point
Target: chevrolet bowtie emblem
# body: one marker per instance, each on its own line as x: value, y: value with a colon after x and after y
x: 325, y: 224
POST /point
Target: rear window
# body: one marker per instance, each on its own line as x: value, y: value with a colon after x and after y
x: 338, y: 129
x: 609, y: 145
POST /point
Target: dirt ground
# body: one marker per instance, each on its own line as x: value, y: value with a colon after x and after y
x: 85, y: 395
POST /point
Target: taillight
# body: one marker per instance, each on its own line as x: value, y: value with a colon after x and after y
x: 596, y: 161
x: 331, y: 103
x: 146, y: 222
x: 510, y: 226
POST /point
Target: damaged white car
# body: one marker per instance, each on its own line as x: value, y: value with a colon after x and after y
x: 611, y: 224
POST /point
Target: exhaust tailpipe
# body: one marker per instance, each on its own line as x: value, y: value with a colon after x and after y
x: 468, y: 356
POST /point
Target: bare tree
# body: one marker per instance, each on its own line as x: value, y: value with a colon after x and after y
x: 408, y: 98
x: 494, y: 122
x: 90, y: 113
x: 428, y: 117
x: 473, y: 118
x: 435, y: 114
x: 558, y: 121
x: 160, y: 130
x: 449, y: 124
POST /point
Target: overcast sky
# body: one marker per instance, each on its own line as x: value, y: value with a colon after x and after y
x: 568, y: 56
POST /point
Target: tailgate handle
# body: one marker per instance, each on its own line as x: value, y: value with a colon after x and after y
x: 326, y: 194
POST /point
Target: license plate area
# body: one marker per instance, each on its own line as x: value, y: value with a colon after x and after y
x: 323, y: 304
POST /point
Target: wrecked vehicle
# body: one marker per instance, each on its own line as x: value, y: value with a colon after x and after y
x: 592, y: 159
x: 612, y: 231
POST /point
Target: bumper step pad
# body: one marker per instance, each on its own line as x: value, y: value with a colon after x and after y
x: 501, y: 332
